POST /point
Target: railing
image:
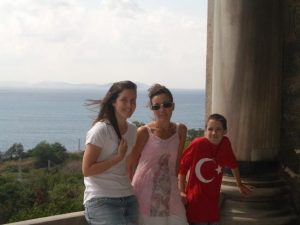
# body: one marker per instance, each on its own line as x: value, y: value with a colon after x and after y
x: 76, y: 218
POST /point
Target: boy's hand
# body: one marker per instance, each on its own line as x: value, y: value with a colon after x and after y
x: 244, y: 190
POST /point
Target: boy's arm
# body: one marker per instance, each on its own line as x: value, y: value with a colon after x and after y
x: 243, y: 189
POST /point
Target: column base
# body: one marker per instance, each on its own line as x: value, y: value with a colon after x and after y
x: 269, y: 204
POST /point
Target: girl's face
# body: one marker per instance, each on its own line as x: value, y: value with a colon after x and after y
x: 214, y: 131
x: 162, y: 107
x: 125, y: 104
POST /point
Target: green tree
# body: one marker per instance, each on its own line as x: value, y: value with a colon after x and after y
x: 193, y: 133
x: 66, y: 197
x: 14, y: 152
x: 14, y: 196
x: 43, y: 153
x: 41, y: 192
x: 60, y: 153
x: 138, y: 123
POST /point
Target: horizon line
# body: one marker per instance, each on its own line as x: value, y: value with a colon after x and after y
x: 67, y: 85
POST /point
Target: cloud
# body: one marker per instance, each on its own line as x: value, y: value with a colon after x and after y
x: 123, y: 8
x: 69, y: 40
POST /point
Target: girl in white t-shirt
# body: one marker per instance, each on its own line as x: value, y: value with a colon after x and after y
x: 108, y: 195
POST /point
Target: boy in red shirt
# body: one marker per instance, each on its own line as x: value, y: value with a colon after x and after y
x: 204, y: 159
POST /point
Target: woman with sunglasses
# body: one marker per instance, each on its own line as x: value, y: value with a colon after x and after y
x: 157, y: 151
x: 108, y: 196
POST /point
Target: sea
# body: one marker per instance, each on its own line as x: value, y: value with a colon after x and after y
x: 29, y: 116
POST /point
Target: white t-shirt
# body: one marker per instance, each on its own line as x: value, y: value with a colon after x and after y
x: 113, y: 182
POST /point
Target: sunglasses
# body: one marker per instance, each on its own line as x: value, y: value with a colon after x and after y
x: 164, y: 105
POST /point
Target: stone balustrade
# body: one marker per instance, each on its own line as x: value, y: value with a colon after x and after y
x: 75, y: 218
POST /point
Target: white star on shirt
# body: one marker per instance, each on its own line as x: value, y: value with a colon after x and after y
x: 218, y: 169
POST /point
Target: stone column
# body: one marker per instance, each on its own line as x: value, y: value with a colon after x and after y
x: 290, y: 128
x: 244, y: 84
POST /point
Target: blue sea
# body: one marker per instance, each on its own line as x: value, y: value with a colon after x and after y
x: 29, y: 116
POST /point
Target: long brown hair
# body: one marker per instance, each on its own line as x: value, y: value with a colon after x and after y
x: 107, y: 111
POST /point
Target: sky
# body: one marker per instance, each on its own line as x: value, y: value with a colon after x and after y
x: 103, y: 41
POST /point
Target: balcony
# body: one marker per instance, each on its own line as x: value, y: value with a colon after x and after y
x: 75, y: 218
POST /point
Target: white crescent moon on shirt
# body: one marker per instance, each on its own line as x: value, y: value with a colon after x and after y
x: 198, y: 170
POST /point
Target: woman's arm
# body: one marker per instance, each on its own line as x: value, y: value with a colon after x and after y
x: 91, y: 167
x: 182, y: 130
x: 182, y: 187
x: 133, y: 158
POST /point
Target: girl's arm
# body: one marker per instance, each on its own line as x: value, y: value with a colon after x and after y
x: 133, y: 158
x: 91, y: 167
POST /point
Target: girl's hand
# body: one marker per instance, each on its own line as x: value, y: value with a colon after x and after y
x: 122, y: 149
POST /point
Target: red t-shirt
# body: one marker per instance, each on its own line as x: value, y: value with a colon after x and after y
x: 205, y: 161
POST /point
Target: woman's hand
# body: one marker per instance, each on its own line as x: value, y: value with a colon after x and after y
x: 122, y: 149
x: 183, y: 197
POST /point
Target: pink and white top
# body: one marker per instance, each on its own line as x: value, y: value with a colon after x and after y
x: 155, y: 179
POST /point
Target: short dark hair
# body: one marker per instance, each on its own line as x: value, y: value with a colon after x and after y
x: 218, y: 117
x: 158, y: 89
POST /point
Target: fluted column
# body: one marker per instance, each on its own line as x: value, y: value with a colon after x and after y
x: 244, y: 84
x: 247, y: 67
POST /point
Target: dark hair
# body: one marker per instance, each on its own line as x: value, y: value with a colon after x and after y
x: 157, y: 89
x: 218, y: 117
x: 107, y: 111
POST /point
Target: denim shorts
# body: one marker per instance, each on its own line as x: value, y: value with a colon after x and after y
x: 112, y: 211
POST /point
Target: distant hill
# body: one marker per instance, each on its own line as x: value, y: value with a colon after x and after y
x: 62, y: 85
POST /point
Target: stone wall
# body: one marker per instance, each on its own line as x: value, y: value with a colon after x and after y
x: 75, y: 218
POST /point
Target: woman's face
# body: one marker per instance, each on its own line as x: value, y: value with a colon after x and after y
x: 162, y: 107
x: 125, y: 104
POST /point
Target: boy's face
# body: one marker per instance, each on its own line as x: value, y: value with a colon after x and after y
x: 214, y: 131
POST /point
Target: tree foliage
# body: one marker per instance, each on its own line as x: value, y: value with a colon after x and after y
x: 14, y: 195
x: 193, y: 133
x: 14, y: 152
x: 40, y: 193
x: 45, y: 153
x: 138, y: 124
x: 1, y: 156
